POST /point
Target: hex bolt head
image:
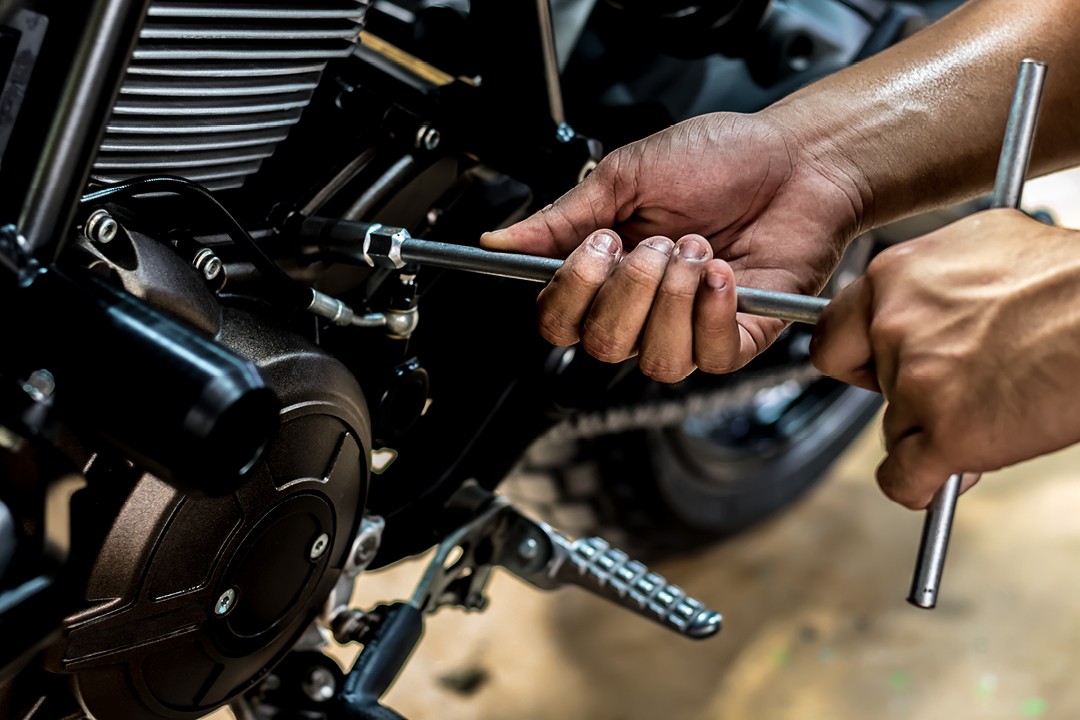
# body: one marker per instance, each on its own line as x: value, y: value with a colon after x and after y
x: 225, y: 603
x: 100, y: 227
x: 319, y: 546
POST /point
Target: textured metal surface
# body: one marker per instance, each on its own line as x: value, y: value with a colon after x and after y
x: 212, y: 88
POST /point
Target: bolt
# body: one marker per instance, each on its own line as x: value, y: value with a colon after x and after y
x: 100, y: 227
x: 319, y: 546
x: 40, y: 385
x: 207, y: 263
x: 428, y: 137
x: 320, y: 684
x: 529, y: 549
x: 366, y: 550
x: 225, y: 602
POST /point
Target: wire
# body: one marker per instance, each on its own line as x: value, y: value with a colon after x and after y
x: 296, y: 293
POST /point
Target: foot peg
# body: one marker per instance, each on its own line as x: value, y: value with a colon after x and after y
x: 594, y: 565
x: 498, y: 535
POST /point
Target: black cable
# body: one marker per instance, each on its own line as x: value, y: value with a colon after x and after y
x: 297, y: 294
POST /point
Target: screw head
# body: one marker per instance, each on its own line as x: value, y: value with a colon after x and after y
x: 40, y: 385
x: 428, y: 137
x: 212, y: 268
x: 529, y: 549
x: 320, y: 685
x: 319, y: 546
x: 207, y: 263
x: 225, y: 602
x: 100, y: 227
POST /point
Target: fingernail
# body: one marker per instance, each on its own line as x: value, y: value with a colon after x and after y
x: 715, y: 281
x: 605, y: 244
x: 691, y: 249
x: 659, y: 243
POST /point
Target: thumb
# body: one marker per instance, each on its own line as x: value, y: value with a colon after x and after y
x: 560, y: 227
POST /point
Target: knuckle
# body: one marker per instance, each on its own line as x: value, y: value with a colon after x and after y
x: 888, y: 329
x: 557, y: 329
x: 582, y: 274
x: 642, y: 274
x: 717, y: 363
x: 663, y: 369
x: 907, y: 496
x: 679, y: 292
x: 606, y: 343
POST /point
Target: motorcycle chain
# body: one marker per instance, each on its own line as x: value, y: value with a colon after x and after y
x: 666, y: 413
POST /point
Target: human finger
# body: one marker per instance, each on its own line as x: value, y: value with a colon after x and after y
x: 557, y: 229
x: 721, y: 345
x: 667, y: 346
x: 840, y: 347
x: 621, y: 308
x: 912, y: 472
x: 564, y: 302
x: 970, y: 480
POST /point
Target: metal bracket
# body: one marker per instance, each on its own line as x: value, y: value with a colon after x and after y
x: 499, y: 535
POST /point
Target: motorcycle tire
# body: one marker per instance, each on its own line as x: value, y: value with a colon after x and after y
x: 663, y: 492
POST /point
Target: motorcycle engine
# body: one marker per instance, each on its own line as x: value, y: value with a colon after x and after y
x: 191, y: 600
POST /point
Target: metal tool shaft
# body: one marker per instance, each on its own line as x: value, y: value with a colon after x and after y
x: 1008, y: 188
x: 766, y: 303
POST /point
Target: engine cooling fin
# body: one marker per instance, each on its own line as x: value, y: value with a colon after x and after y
x: 213, y: 87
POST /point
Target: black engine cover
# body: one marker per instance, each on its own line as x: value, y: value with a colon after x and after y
x: 153, y: 641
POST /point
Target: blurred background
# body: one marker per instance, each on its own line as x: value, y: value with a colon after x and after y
x: 816, y: 624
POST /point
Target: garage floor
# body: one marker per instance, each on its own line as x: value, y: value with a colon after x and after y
x: 816, y: 625
x: 815, y: 620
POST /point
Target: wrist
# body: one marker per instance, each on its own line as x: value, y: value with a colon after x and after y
x: 823, y: 169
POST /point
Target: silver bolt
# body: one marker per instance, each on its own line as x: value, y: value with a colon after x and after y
x: 319, y: 546
x: 529, y: 549
x: 225, y: 602
x: 40, y: 385
x: 100, y: 227
x: 320, y: 684
x: 428, y: 137
x: 207, y: 263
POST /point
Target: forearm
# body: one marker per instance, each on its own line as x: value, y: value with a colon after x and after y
x: 921, y: 124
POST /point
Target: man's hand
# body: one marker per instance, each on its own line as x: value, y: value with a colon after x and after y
x: 973, y: 335
x: 659, y: 233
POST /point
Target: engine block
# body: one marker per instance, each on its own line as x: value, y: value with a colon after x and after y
x: 213, y: 87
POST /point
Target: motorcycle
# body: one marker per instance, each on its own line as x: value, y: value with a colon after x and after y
x: 219, y: 406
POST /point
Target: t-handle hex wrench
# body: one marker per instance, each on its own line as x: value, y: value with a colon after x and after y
x: 394, y: 247
x: 1008, y: 187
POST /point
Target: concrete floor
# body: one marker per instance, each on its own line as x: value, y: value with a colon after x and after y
x: 815, y: 620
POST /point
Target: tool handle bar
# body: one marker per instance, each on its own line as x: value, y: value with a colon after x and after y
x: 766, y: 303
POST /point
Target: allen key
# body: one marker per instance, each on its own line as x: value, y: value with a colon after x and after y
x: 1008, y: 189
